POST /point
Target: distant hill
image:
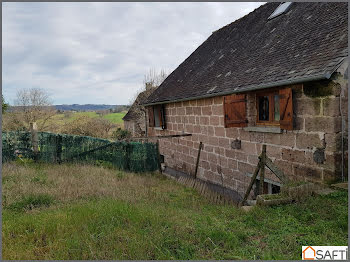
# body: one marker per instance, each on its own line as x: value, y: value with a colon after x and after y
x: 81, y: 108
x: 87, y: 107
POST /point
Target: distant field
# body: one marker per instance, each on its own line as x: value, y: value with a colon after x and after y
x: 61, y: 119
x: 113, y: 117
x: 58, y: 122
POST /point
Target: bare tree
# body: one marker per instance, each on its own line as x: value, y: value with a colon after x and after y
x: 152, y: 79
x: 155, y: 78
x: 35, y: 106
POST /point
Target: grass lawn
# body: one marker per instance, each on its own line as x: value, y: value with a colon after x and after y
x: 88, y: 212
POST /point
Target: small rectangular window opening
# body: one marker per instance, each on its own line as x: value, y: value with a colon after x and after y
x: 282, y: 8
x: 269, y: 188
x: 264, y: 108
x: 159, y: 116
x: 268, y: 108
x: 161, y: 158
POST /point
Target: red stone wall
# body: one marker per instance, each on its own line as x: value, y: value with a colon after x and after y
x: 317, y: 125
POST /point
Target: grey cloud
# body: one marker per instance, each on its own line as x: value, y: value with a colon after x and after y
x: 99, y: 52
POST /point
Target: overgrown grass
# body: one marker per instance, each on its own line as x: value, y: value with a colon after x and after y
x: 101, y: 213
x: 31, y: 201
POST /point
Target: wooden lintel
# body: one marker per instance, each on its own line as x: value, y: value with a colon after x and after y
x: 160, y: 137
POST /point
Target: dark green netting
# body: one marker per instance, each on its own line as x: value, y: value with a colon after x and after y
x: 57, y: 148
x: 16, y: 144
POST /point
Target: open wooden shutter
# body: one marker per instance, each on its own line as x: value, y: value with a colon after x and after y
x: 162, y: 110
x: 286, y: 108
x: 150, y: 116
x: 235, y: 111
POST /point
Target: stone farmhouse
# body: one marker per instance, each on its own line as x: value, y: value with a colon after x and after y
x: 278, y: 76
x: 135, y: 120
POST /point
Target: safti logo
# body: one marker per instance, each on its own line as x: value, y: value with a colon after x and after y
x: 309, y: 253
x: 325, y: 253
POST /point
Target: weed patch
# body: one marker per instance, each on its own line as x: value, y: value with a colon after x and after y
x: 40, y: 179
x: 31, y: 202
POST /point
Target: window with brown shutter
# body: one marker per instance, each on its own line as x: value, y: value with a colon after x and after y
x: 162, y: 113
x: 275, y: 108
x: 150, y: 117
x: 156, y: 116
x: 286, y: 108
x: 235, y: 111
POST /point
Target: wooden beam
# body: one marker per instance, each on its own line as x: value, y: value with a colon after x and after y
x: 275, y: 170
x: 198, y: 156
x: 251, y: 184
x: 262, y: 170
x: 168, y: 136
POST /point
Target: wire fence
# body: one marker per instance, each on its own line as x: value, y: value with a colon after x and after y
x: 58, y: 148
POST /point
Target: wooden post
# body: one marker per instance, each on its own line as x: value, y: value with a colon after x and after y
x: 34, y: 140
x: 158, y: 152
x: 198, y: 156
x: 262, y: 170
x: 251, y: 183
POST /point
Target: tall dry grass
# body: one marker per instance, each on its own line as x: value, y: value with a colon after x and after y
x: 70, y: 182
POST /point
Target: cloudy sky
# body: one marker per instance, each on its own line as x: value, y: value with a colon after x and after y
x: 98, y: 53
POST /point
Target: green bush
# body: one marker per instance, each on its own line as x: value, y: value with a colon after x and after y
x: 31, y: 202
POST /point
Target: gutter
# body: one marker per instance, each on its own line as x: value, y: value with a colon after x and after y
x: 257, y: 87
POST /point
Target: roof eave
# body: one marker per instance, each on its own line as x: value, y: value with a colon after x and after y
x: 251, y: 88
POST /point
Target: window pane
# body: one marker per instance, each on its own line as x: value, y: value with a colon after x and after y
x: 277, y: 107
x: 264, y: 108
x: 156, y: 116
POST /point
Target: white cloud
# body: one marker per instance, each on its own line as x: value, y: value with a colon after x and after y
x: 100, y: 52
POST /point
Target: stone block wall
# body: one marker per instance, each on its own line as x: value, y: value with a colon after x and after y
x: 129, y: 125
x: 317, y: 128
x: 136, y: 128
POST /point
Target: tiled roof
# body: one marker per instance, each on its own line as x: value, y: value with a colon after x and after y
x: 135, y: 111
x: 306, y: 42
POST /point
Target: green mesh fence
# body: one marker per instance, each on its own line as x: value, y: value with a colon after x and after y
x: 57, y: 148
x: 16, y: 144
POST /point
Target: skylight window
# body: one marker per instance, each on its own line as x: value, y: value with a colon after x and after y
x: 282, y: 8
